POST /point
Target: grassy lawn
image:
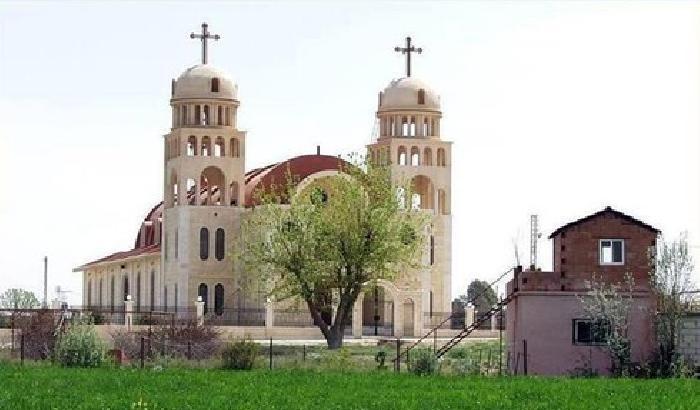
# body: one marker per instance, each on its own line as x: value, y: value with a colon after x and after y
x: 45, y: 387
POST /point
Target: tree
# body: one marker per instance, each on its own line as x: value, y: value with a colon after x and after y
x: 325, y: 243
x: 672, y: 269
x: 18, y: 299
x: 608, y: 307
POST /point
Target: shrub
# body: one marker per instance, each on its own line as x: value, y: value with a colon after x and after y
x: 423, y: 362
x: 380, y: 358
x: 240, y: 354
x: 337, y: 359
x: 80, y: 346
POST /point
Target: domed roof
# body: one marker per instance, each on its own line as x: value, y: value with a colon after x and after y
x: 197, y: 82
x: 405, y: 93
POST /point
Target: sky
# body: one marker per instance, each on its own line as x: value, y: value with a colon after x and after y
x: 555, y: 108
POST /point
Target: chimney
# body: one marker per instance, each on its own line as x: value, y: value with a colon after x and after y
x: 318, y: 150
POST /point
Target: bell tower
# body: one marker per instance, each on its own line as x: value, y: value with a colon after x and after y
x: 410, y: 143
x: 204, y: 160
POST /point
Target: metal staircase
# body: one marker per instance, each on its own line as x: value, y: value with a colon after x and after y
x: 464, y: 332
x: 473, y: 326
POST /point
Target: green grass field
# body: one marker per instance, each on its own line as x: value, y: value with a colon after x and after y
x: 46, y: 387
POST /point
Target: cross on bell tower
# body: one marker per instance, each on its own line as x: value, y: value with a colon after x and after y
x: 206, y: 35
x: 408, y: 50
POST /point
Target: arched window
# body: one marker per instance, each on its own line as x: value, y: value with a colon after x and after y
x: 427, y: 156
x: 215, y: 85
x: 441, y: 157
x: 184, y: 120
x: 227, y: 121
x: 219, y: 299
x: 219, y: 243
x: 197, y: 115
x: 220, y: 115
x: 404, y: 127
x: 402, y: 156
x: 125, y: 288
x: 206, y: 119
x: 89, y: 291
x: 415, y: 156
x: 204, y: 243
x: 203, y: 292
x: 412, y: 127
x: 138, y: 292
x: 111, y: 293
x: 191, y: 146
x: 235, y: 148
x: 153, y: 290
x: 219, y: 147
x: 206, y: 146
x: 165, y: 298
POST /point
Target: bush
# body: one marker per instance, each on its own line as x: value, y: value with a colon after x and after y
x: 423, y: 362
x: 80, y: 346
x: 240, y: 354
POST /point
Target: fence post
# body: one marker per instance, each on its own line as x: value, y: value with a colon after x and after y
x: 525, y: 357
x: 270, y: 353
x: 469, y: 313
x: 142, y: 352
x: 189, y: 350
x: 398, y: 356
x: 199, y: 306
x: 21, y: 349
x: 500, y: 342
x: 303, y: 353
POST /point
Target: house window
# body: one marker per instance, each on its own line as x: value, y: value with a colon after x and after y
x: 612, y: 252
x: 589, y: 332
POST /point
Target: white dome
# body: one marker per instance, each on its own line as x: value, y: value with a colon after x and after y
x: 403, y: 93
x: 196, y: 82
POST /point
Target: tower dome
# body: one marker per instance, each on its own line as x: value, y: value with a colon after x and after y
x: 408, y: 93
x: 204, y: 81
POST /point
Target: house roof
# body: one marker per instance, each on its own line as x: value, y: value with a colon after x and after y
x: 607, y: 210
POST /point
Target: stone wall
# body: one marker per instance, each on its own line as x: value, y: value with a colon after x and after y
x: 689, y: 338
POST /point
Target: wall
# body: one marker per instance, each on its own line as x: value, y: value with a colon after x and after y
x: 544, y: 320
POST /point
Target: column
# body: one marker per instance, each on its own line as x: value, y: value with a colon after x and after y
x: 469, y: 315
x: 199, y: 307
x: 269, y: 317
x: 357, y: 317
x: 128, y: 312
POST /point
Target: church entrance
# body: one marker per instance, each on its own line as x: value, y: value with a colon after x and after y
x: 377, y: 313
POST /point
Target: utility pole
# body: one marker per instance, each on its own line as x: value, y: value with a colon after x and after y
x: 46, y: 266
x: 534, y: 236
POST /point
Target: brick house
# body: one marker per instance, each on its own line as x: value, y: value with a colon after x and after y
x: 547, y: 332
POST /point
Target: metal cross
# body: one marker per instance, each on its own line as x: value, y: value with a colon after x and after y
x: 206, y: 35
x: 408, y: 50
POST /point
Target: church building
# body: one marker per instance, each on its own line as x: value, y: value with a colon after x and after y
x: 182, y: 249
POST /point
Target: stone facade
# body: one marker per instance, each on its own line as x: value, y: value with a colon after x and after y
x: 183, y: 247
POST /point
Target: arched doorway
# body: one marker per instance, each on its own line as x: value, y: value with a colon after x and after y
x: 377, y: 312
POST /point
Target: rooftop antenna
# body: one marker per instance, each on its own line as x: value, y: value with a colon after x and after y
x: 535, y: 234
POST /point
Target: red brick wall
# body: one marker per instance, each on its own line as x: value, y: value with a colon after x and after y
x: 576, y: 250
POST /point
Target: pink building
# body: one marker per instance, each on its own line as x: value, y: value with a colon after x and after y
x: 547, y: 330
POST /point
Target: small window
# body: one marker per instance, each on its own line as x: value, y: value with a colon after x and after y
x: 215, y: 85
x: 589, y: 332
x: 612, y: 251
x: 421, y: 97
